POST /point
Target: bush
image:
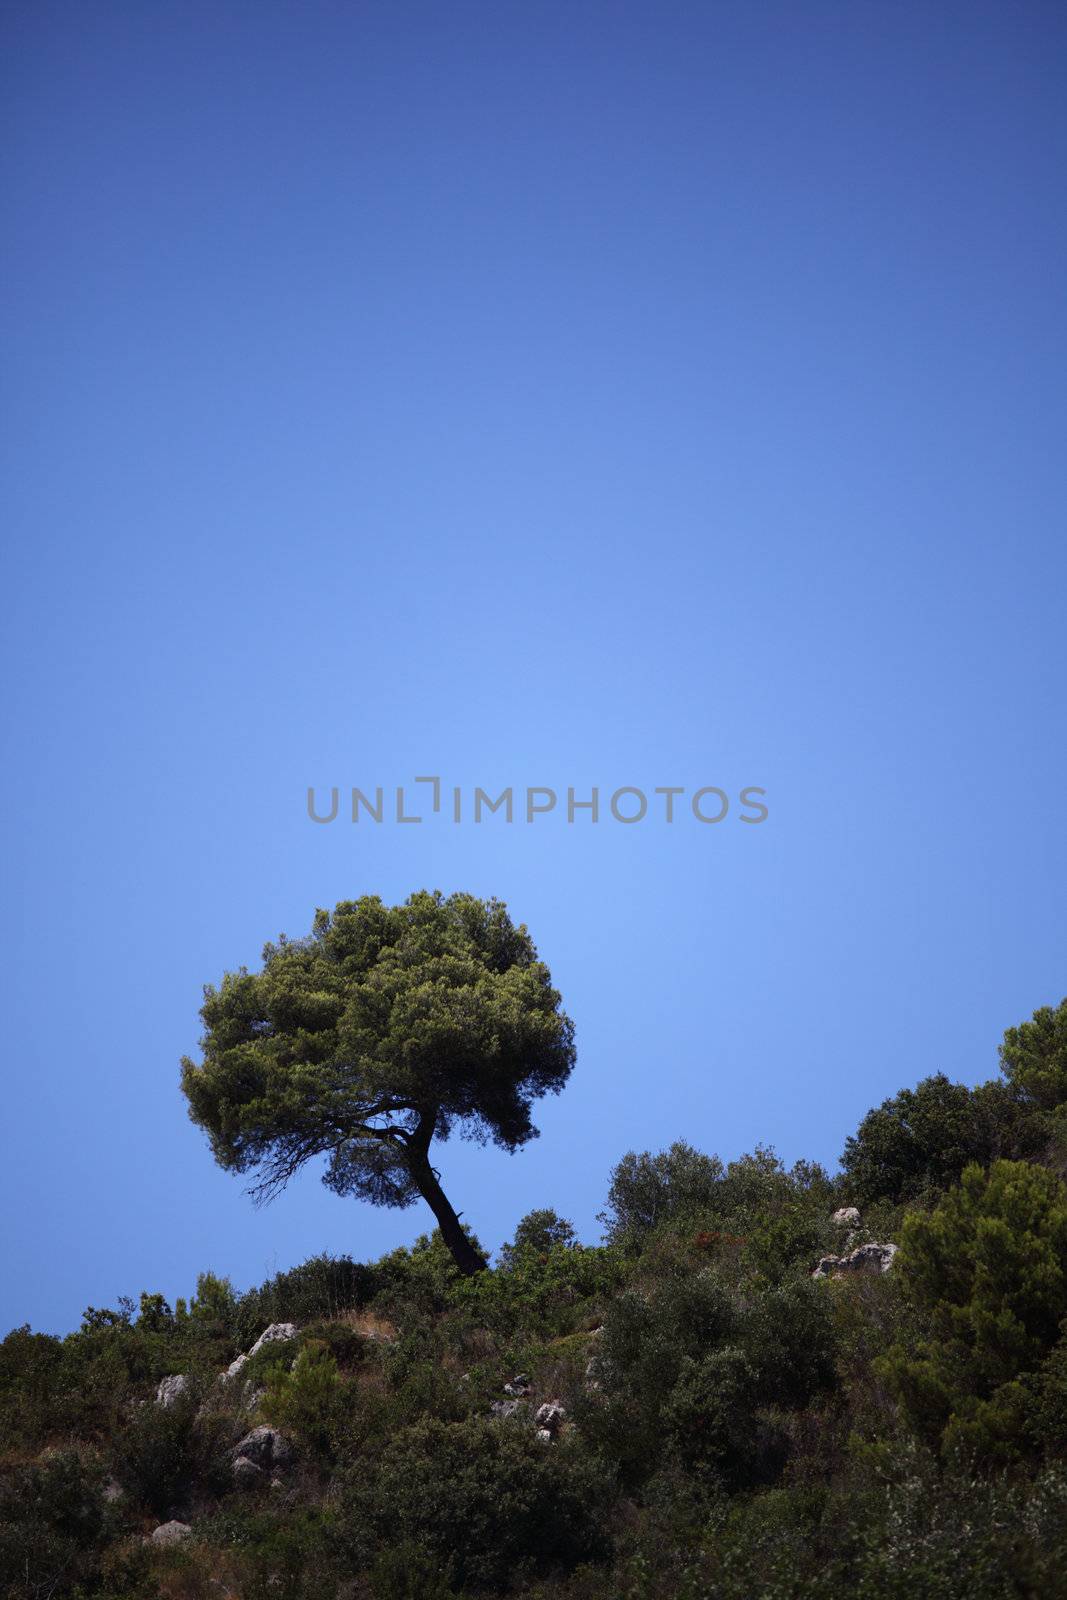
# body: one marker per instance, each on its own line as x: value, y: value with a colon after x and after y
x: 159, y: 1454
x: 916, y: 1144
x: 307, y: 1399
x: 52, y: 1521
x: 690, y: 1366
x: 322, y: 1287
x: 480, y: 1499
x: 649, y: 1190
x: 1033, y: 1057
x: 536, y: 1234
x: 988, y: 1267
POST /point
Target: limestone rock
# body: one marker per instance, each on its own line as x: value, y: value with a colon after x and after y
x: 265, y: 1448
x: 276, y: 1331
x: 866, y: 1258
x: 170, y: 1533
x: 846, y: 1217
x: 549, y: 1418
x: 171, y: 1389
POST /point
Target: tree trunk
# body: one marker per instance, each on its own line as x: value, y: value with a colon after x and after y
x: 463, y: 1252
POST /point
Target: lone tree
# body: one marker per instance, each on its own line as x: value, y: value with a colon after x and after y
x: 384, y: 1029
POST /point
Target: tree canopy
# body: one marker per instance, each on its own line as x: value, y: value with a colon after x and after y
x: 384, y: 1029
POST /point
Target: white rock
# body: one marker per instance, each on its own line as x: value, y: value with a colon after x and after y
x: 549, y: 1416
x: 170, y: 1532
x: 276, y: 1331
x: 171, y: 1389
x: 846, y: 1217
x: 867, y: 1258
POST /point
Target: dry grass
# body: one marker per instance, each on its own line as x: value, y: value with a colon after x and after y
x: 369, y: 1325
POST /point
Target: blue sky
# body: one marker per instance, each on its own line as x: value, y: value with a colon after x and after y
x: 614, y: 394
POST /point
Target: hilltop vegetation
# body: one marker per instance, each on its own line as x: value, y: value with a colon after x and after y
x: 678, y: 1412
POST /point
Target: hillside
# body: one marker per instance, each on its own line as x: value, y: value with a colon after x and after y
x: 762, y: 1382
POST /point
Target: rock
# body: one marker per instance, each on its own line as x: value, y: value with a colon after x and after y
x: 549, y: 1416
x: 277, y: 1330
x: 246, y: 1475
x: 170, y: 1533
x: 519, y: 1385
x: 867, y: 1258
x: 171, y: 1389
x: 846, y: 1217
x: 872, y: 1258
x: 544, y: 1435
x: 505, y: 1408
x: 265, y: 1448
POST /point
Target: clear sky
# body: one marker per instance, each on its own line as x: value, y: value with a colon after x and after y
x: 544, y: 394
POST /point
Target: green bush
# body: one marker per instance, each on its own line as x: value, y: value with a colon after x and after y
x: 481, y: 1499
x: 988, y: 1268
x: 307, y: 1399
x: 160, y: 1454
x: 52, y: 1524
x: 321, y: 1287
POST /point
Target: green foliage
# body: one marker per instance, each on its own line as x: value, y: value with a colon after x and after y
x: 307, y: 1399
x: 648, y: 1190
x: 1033, y: 1057
x: 324, y: 1286
x: 989, y: 1268
x: 918, y: 1142
x: 730, y: 1427
x: 159, y: 1453
x: 536, y: 1234
x: 480, y: 1499
x: 548, y: 1292
x: 52, y: 1521
x: 691, y: 1365
x: 776, y: 1217
x: 387, y: 1028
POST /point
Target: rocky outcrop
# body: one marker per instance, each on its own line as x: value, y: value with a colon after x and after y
x: 265, y: 1449
x: 171, y: 1389
x: 846, y: 1217
x: 170, y: 1533
x: 276, y: 1331
x: 866, y: 1258
x: 549, y: 1419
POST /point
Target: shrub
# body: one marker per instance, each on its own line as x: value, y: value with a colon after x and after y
x: 322, y: 1287
x: 648, y: 1190
x: 481, y: 1498
x: 307, y: 1399
x: 988, y: 1267
x: 52, y: 1521
x: 916, y: 1144
x: 536, y: 1234
x: 1033, y: 1057
x: 159, y: 1453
